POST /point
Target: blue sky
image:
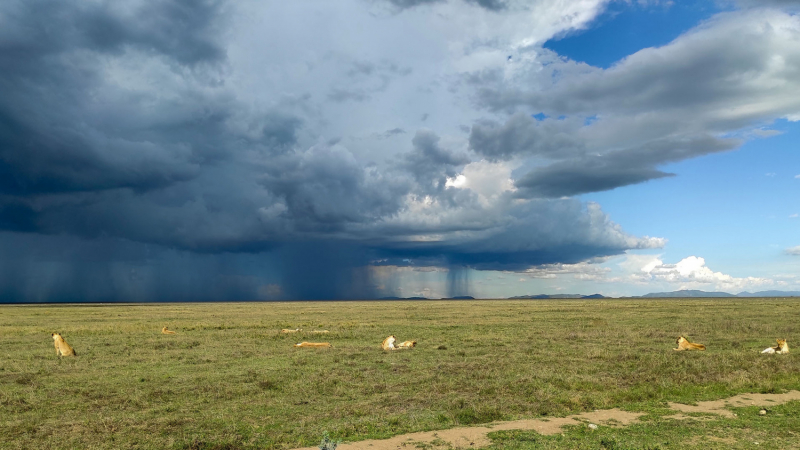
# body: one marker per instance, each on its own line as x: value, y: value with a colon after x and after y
x: 624, y: 28
x: 397, y: 148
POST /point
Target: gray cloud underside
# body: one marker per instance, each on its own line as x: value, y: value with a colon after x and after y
x: 492, y: 5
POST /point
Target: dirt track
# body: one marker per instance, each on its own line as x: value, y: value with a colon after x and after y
x: 475, y: 437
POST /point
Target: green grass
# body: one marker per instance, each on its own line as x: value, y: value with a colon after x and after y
x: 229, y: 379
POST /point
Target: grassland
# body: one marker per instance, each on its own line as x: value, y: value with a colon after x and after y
x: 230, y: 379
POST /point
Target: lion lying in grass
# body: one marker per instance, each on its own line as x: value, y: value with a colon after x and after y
x: 166, y: 331
x: 782, y: 348
x: 286, y: 330
x: 389, y: 344
x: 314, y: 344
x: 684, y: 344
x: 62, y: 348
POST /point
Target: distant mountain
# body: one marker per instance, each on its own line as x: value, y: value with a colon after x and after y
x: 402, y: 298
x: 769, y: 294
x: 698, y: 294
x: 686, y: 293
x: 459, y: 297
x: 521, y: 297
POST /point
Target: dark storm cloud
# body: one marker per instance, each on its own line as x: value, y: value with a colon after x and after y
x: 616, y: 169
x: 565, y: 231
x: 581, y: 176
x: 430, y: 163
x: 522, y: 135
x: 52, y: 138
x: 325, y: 189
x: 181, y: 30
x: 137, y: 163
x: 326, y: 270
x: 67, y: 269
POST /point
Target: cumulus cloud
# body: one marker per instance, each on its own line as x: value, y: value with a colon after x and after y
x: 793, y: 251
x: 692, y: 272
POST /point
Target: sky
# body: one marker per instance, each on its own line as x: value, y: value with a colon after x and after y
x: 271, y: 150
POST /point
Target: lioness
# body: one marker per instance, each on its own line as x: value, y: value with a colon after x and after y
x: 782, y: 348
x: 166, y: 331
x: 314, y: 344
x: 62, y: 348
x: 407, y: 344
x: 684, y: 344
x: 388, y: 343
x: 286, y: 330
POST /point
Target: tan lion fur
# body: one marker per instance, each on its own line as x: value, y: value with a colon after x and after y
x: 388, y: 343
x: 407, y: 344
x: 684, y: 344
x: 62, y: 348
x: 314, y: 344
x: 782, y: 348
x: 166, y: 331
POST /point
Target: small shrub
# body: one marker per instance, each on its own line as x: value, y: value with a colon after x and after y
x: 327, y: 443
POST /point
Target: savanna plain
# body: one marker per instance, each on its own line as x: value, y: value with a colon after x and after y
x: 229, y: 379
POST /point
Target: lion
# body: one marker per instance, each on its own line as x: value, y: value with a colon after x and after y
x: 388, y: 343
x: 166, y: 331
x: 320, y: 331
x: 62, y: 348
x: 286, y: 330
x: 407, y: 344
x: 314, y: 344
x: 684, y: 344
x: 782, y: 348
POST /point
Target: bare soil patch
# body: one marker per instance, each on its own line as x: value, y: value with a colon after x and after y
x: 476, y: 437
x: 741, y: 400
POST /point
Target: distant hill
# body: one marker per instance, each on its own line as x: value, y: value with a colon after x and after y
x: 697, y: 294
x: 519, y: 297
x: 686, y: 293
x: 459, y: 297
x: 769, y: 294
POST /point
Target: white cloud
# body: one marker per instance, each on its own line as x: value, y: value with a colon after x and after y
x: 792, y: 216
x: 793, y: 251
x: 692, y: 272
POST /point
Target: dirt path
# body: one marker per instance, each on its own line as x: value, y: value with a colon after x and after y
x: 475, y: 437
